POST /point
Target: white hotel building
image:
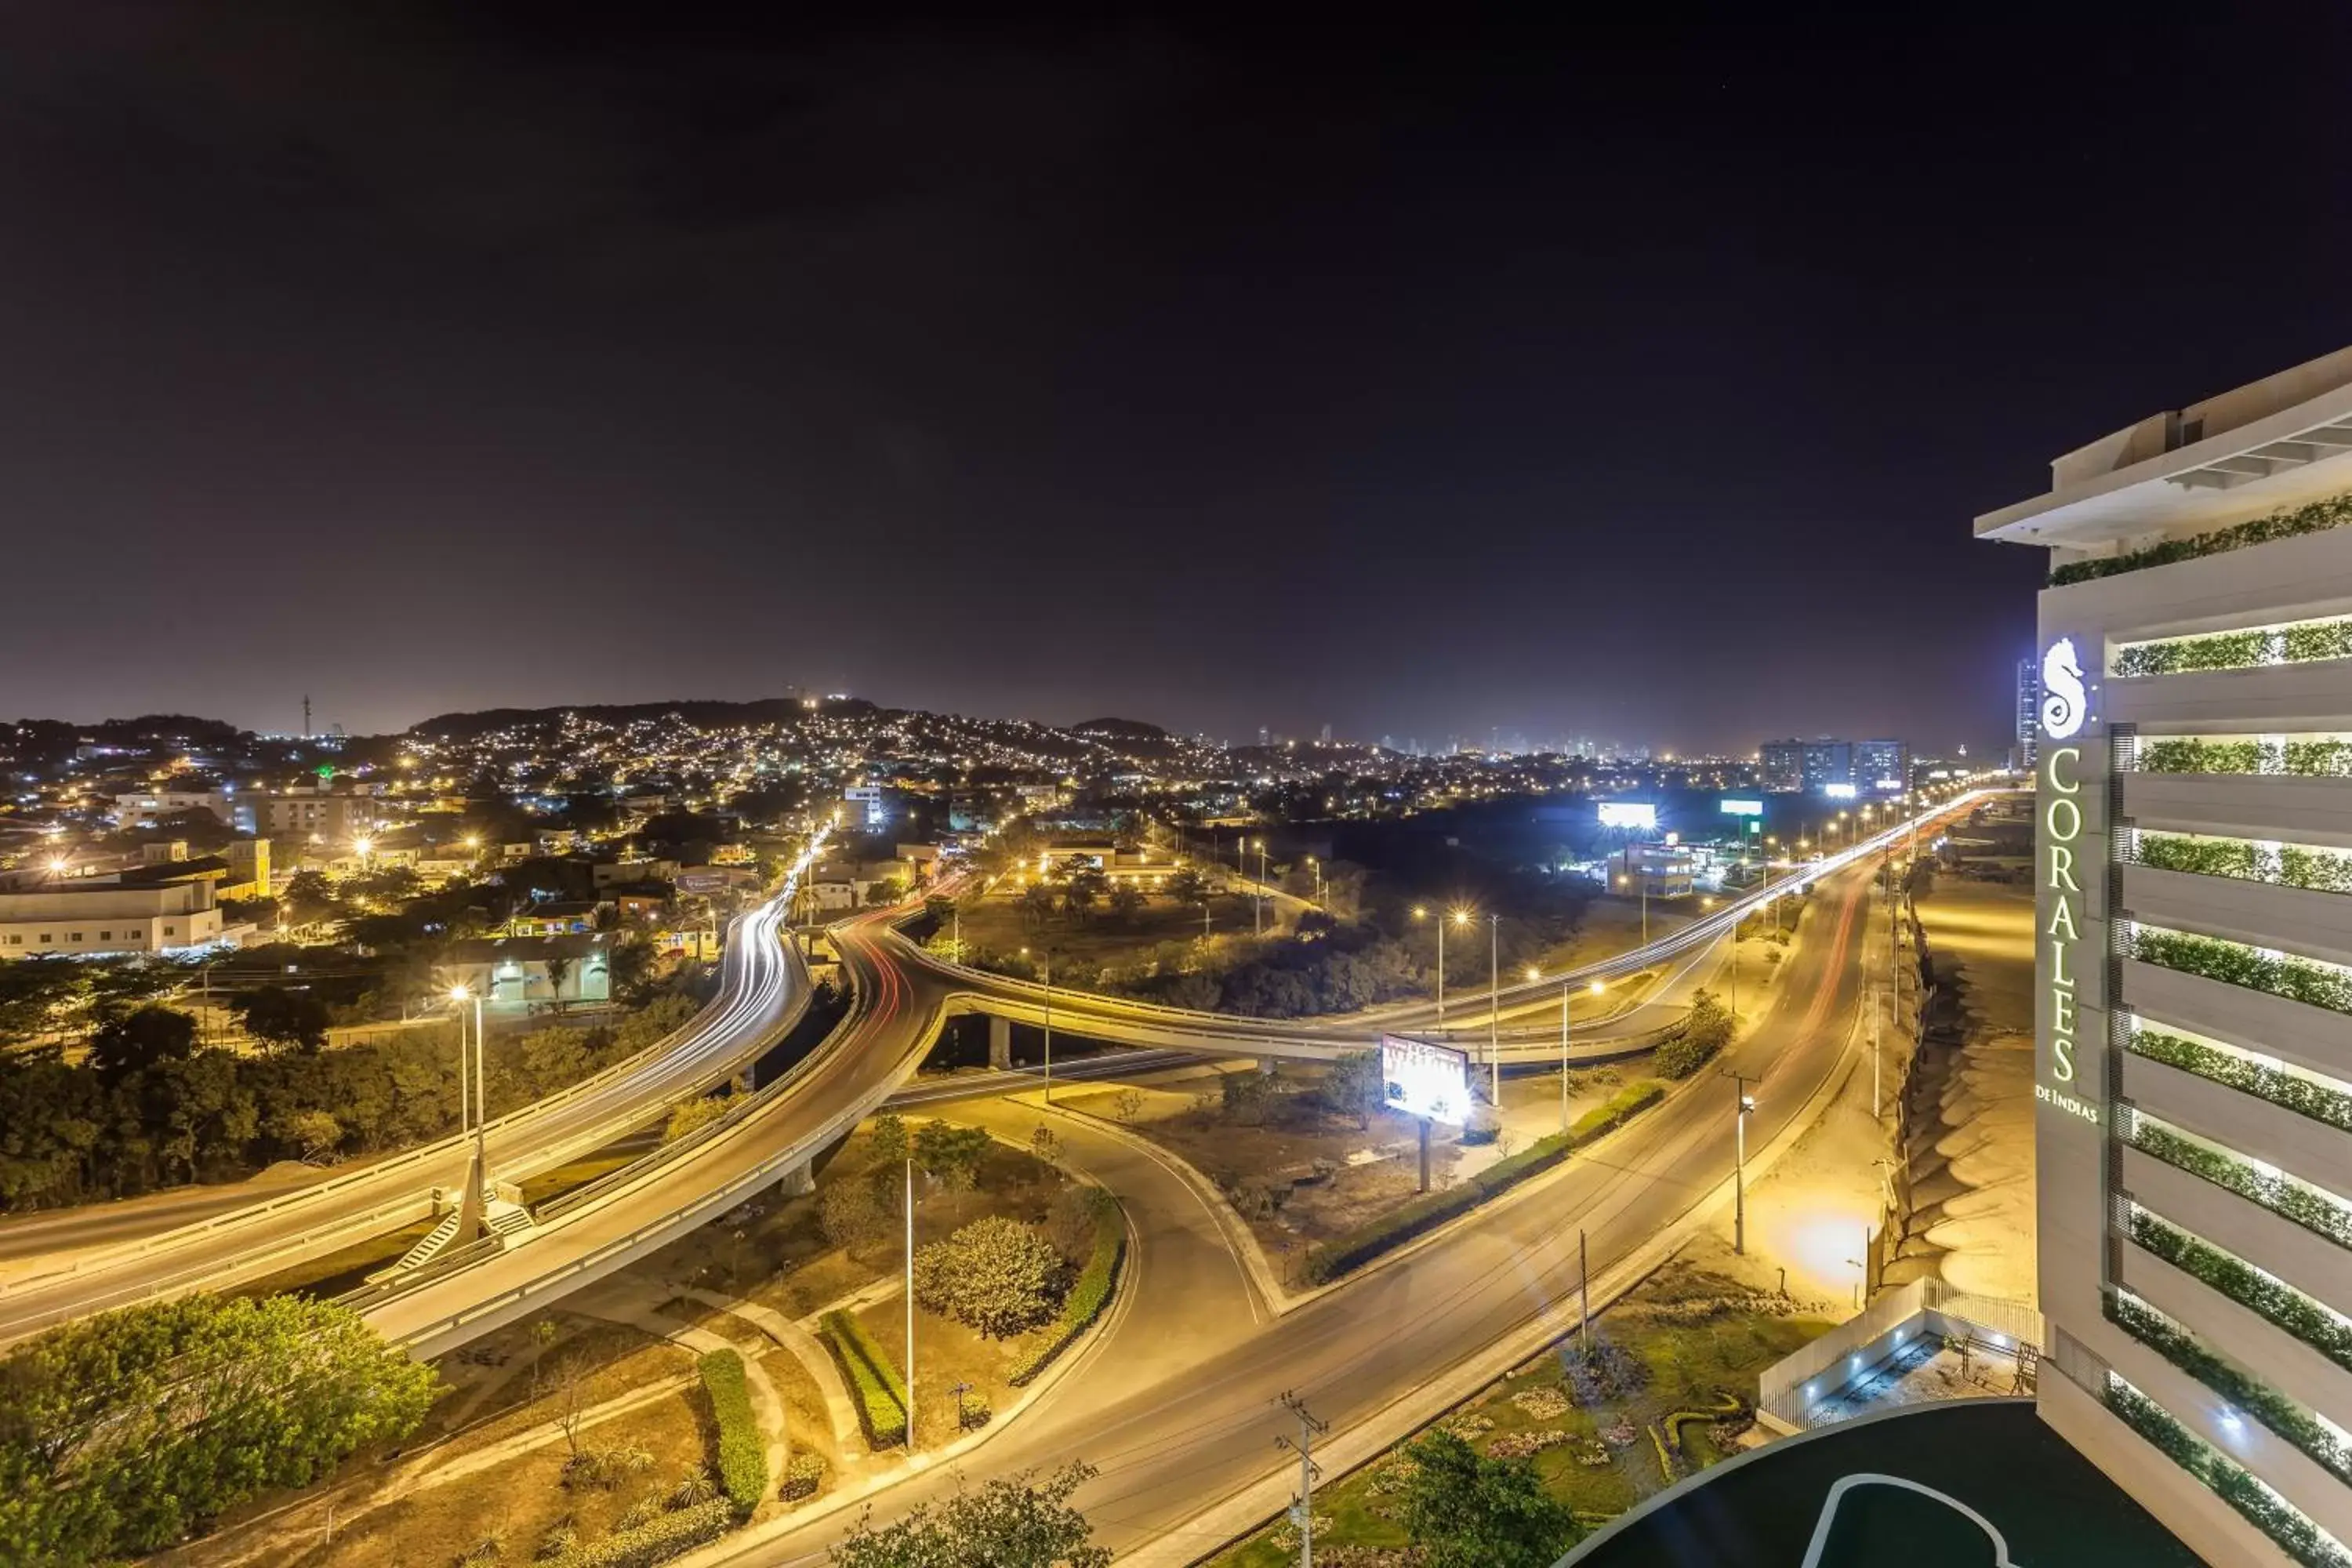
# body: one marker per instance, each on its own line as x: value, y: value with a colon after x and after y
x: 2194, y: 1022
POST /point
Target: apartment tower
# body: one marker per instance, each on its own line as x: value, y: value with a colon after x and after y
x: 2193, y: 1070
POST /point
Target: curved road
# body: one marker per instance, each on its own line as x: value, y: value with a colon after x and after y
x: 763, y: 992
x: 1171, y: 1445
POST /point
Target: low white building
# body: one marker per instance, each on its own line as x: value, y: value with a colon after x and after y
x: 146, y: 808
x: 86, y: 920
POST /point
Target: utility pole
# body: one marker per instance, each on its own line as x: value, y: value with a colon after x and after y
x: 1495, y: 1011
x: 1302, y: 1507
x: 1878, y: 1058
x: 1739, y: 1164
x: 911, y: 1304
x: 1049, y: 1025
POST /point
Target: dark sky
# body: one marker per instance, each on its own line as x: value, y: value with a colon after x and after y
x: 1640, y: 379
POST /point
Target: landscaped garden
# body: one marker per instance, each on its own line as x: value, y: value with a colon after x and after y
x: 1667, y: 1389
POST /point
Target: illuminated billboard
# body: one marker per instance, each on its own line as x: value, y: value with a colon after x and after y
x: 1741, y: 807
x: 1628, y: 813
x: 1838, y: 791
x: 1422, y: 1080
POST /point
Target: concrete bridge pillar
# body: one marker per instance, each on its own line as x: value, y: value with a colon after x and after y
x: 1000, y: 1043
x: 798, y: 1181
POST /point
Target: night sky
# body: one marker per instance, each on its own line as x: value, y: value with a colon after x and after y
x: 1418, y: 379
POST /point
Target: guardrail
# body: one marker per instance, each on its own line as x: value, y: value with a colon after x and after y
x: 1705, y: 929
x: 448, y: 1149
x: 675, y: 1221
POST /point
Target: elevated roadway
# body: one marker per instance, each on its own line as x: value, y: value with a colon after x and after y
x: 763, y: 992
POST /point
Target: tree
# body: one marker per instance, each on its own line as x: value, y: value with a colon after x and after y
x: 1705, y: 1030
x: 122, y: 1433
x: 1188, y: 886
x: 559, y: 970
x: 1036, y: 903
x: 688, y: 1114
x: 952, y: 1155
x: 137, y: 1041
x: 309, y: 897
x: 1127, y: 901
x: 280, y: 1018
x: 1466, y: 1512
x: 994, y: 1276
x: 313, y: 1134
x: 1015, y: 1523
x: 1082, y: 887
x: 850, y: 1214
x: 1355, y: 1086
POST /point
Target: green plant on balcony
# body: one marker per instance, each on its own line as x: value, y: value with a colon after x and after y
x: 2264, y: 1509
x: 2291, y: 1092
x: 2234, y: 964
x: 2279, y: 1193
x: 2317, y: 759
x: 2250, y: 1393
x: 2181, y: 755
x: 2177, y: 656
x: 2288, y: 865
x: 2283, y: 1304
x: 2317, y: 517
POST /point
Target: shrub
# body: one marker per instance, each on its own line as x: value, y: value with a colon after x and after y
x: 1088, y: 1297
x: 2234, y: 964
x: 2316, y: 518
x: 658, y: 1540
x: 742, y: 1453
x: 995, y: 1276
x: 2280, y: 1193
x: 803, y: 1476
x: 1703, y: 1032
x: 605, y: 1468
x: 2262, y: 1508
x: 1430, y: 1210
x: 2285, y: 864
x: 2267, y: 1404
x: 2292, y: 1092
x: 881, y: 1392
x: 2281, y: 1303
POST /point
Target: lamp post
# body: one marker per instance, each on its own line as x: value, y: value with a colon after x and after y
x: 1739, y: 1166
x: 469, y: 1106
x: 1258, y: 908
x: 1046, y: 958
x: 1495, y: 1011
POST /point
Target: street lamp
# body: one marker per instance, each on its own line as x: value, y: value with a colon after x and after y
x: 470, y: 1203
x: 1047, y: 960
x: 1595, y: 988
x: 1495, y: 1011
x: 1739, y: 1166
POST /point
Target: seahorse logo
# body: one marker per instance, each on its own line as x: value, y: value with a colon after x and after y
x: 2062, y: 691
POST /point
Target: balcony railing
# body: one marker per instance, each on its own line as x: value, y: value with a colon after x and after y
x: 2313, y: 1322
x: 2304, y: 980
x: 2310, y: 756
x: 2317, y: 517
x: 2287, y: 1526
x: 2315, y: 1209
x: 2305, y: 1096
x: 2321, y: 1440
x: 2296, y: 642
x: 2243, y: 859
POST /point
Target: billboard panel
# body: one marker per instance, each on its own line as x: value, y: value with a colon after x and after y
x: 1424, y: 1079
x: 1742, y: 808
x: 1628, y: 813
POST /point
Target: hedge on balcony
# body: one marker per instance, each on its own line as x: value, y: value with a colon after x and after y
x: 2286, y: 866
x: 2264, y: 1509
x: 2280, y: 1193
x: 2283, y: 1304
x: 2287, y: 1090
x: 2238, y: 650
x: 2300, y: 759
x: 2232, y: 964
x: 2316, y: 518
x: 880, y: 1391
x: 2250, y: 1393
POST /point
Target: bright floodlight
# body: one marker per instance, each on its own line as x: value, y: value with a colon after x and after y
x: 460, y: 993
x: 362, y: 845
x: 57, y: 865
x: 1533, y: 973
x: 1461, y: 917
x: 1596, y: 988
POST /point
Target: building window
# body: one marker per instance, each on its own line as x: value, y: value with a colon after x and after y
x: 171, y: 930
x: 73, y: 936
x: 45, y: 939
x: 106, y: 936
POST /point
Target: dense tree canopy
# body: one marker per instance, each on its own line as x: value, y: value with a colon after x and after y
x: 123, y: 1433
x: 1015, y: 1523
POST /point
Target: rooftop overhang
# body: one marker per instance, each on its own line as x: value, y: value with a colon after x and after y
x: 2294, y: 456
